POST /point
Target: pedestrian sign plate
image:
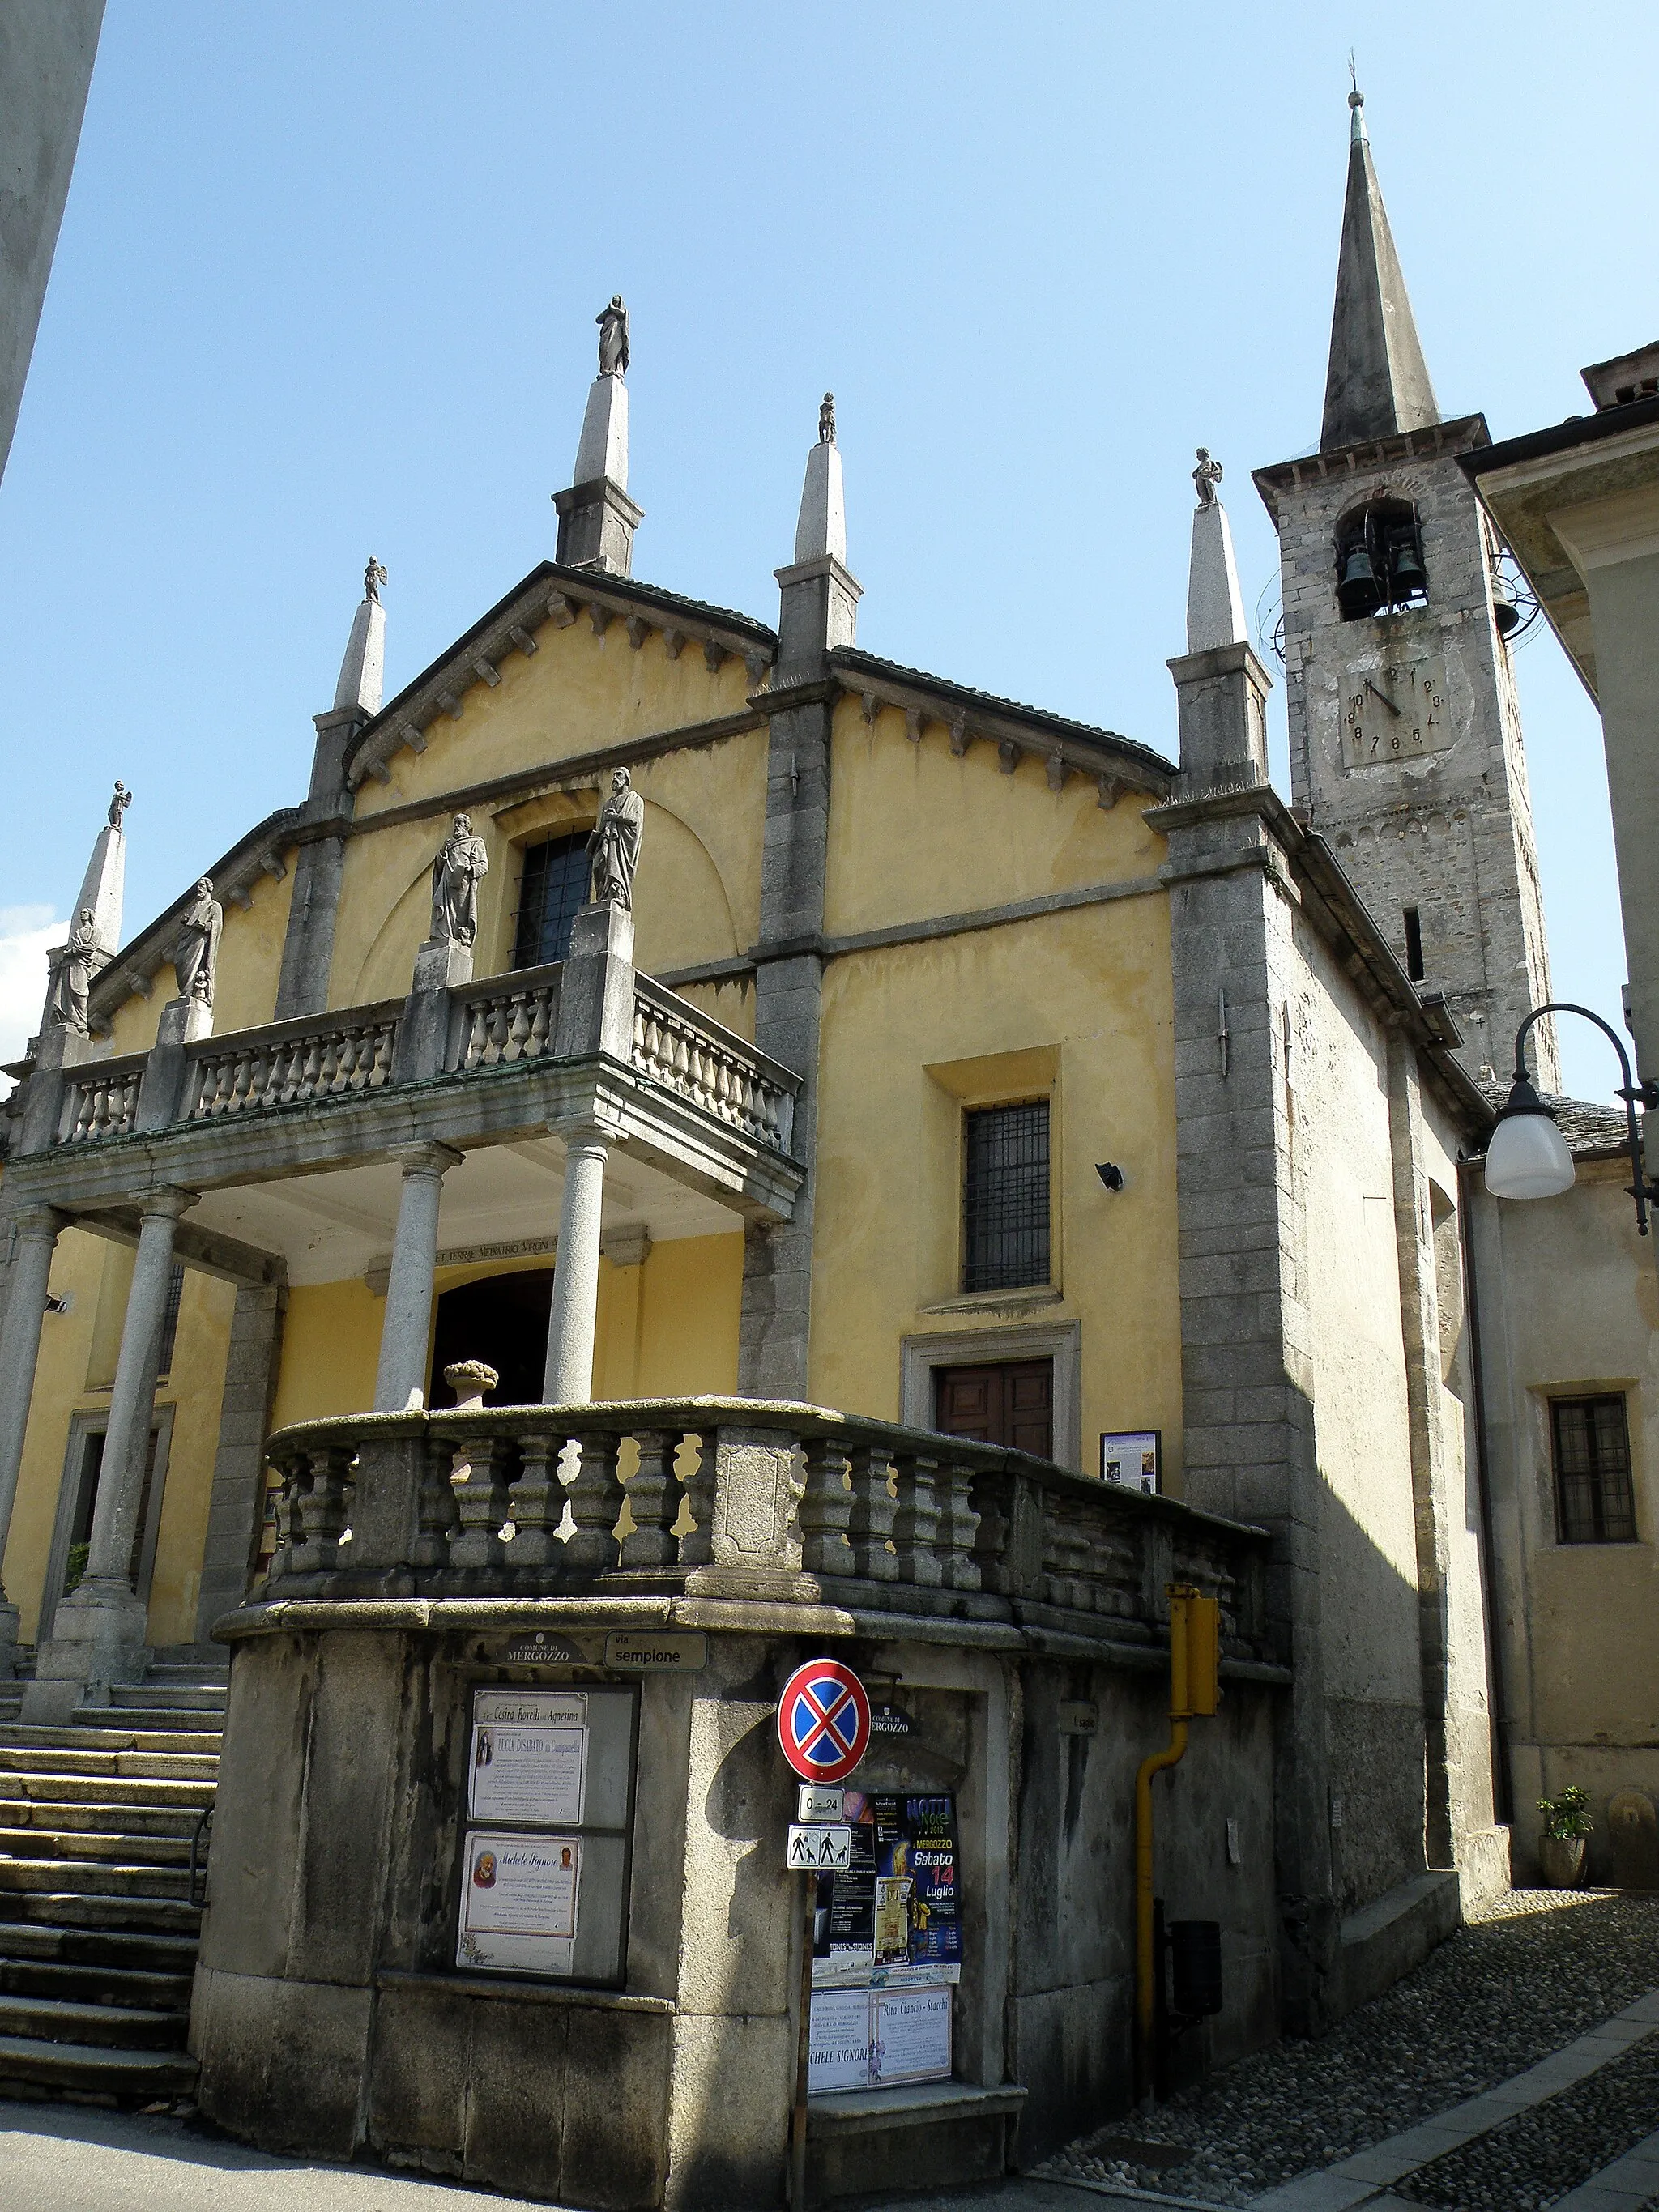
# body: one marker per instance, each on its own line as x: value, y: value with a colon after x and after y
x: 820, y: 1849
x: 824, y: 1720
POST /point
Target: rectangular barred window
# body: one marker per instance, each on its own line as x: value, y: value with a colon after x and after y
x: 1005, y: 1197
x: 552, y: 885
x: 1593, y: 1497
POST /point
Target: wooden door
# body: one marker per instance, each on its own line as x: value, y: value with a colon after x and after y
x: 1011, y: 1403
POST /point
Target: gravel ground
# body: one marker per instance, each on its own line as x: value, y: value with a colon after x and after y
x: 1542, y: 2154
x: 1538, y: 1970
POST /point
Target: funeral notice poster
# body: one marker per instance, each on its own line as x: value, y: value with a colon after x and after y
x: 518, y: 1900
x: 529, y: 1757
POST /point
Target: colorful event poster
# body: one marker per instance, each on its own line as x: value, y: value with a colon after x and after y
x: 896, y: 1906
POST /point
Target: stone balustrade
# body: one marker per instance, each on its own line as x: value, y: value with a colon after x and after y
x: 102, y: 1100
x: 509, y: 1019
x: 677, y: 1046
x: 739, y: 1497
x: 343, y: 1055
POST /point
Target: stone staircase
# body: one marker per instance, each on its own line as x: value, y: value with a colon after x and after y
x: 97, y: 1927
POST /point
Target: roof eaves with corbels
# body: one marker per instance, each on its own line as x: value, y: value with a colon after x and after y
x: 552, y: 594
x: 1115, y: 763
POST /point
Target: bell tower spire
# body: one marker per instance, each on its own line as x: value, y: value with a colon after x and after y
x: 1377, y: 383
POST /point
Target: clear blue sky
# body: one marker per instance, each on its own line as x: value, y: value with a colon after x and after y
x: 326, y: 286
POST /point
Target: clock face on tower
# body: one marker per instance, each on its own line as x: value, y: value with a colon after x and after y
x: 1396, y: 711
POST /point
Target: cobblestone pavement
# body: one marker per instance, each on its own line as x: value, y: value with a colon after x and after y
x: 1540, y: 1969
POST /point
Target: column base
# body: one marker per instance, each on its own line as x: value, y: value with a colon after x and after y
x: 764, y: 1585
x: 99, y: 1640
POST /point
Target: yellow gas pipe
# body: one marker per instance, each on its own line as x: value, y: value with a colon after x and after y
x: 1194, y: 1654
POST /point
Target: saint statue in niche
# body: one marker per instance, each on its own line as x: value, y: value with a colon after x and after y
x: 68, y: 995
x: 614, y: 848
x: 461, y: 861
x: 613, y: 337
x: 196, y: 955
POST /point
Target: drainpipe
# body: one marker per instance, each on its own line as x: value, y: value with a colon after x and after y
x: 1497, y: 1718
x: 1194, y: 1627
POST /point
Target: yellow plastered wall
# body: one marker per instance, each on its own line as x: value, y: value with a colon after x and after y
x: 250, y: 963
x: 667, y: 1329
x: 1073, y: 1005
x: 95, y: 1273
x: 698, y: 892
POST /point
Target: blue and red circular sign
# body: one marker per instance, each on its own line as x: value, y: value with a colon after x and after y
x: 824, y: 1720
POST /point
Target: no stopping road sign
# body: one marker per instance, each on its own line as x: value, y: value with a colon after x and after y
x: 824, y: 1720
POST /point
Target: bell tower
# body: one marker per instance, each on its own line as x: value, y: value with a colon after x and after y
x: 1405, y: 728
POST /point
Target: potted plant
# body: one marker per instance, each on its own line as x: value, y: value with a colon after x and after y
x: 1561, y: 1847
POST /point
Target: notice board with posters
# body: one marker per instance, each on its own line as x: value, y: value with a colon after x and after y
x: 887, y: 1944
x: 548, y: 1835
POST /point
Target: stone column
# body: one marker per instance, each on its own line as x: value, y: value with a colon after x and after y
x: 98, y: 1632
x: 37, y: 1232
x: 237, y: 1499
x: 400, y: 1380
x: 569, y: 1377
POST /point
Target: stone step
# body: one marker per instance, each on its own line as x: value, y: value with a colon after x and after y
x: 146, y: 1720
x: 53, y: 2020
x: 160, y: 1763
x: 121, y: 1793
x: 92, y: 1736
x: 90, y: 2070
x: 94, y: 1984
x: 67, y: 1907
x: 187, y: 1705
x: 173, y: 1957
x: 49, y: 1815
x: 40, y: 1842
x: 84, y: 1878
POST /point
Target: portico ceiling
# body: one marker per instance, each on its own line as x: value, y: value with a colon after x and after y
x: 339, y: 1223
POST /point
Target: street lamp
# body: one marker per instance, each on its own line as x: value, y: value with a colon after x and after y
x: 1528, y: 1156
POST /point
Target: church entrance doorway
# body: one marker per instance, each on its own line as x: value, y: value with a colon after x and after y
x: 502, y: 1319
x: 1011, y: 1403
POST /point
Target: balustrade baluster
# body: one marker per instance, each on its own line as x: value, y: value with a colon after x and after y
x: 518, y: 1035
x: 320, y: 1511
x: 384, y: 1046
x: 595, y: 1503
x: 435, y: 1515
x: 915, y: 1524
x: 479, y: 1480
x: 541, y: 1024
x: 290, y: 1466
x: 653, y: 1500
x: 697, y: 1545
x: 870, y: 1520
x: 327, y: 1053
x: 958, y: 1524
x: 536, y: 1504
x: 825, y: 1511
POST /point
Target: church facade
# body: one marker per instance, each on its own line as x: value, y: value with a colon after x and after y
x: 919, y: 1175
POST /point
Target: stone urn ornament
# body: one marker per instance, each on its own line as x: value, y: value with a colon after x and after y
x: 1561, y: 1846
x: 471, y: 1382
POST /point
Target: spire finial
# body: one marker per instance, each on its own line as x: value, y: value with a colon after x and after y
x: 362, y: 672
x: 1377, y: 382
x: 1215, y: 612
x: 1357, y: 103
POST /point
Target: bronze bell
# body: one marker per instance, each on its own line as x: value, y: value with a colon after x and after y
x: 1505, y: 612
x: 1408, y: 577
x: 1357, y: 589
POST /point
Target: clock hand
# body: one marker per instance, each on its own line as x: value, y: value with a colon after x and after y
x: 1383, y: 696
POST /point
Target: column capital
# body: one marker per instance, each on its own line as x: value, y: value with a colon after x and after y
x: 165, y: 1200
x: 430, y: 1156
x: 583, y: 1129
x: 47, y: 1223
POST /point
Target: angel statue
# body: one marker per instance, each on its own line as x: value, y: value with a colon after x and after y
x: 1206, y: 476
